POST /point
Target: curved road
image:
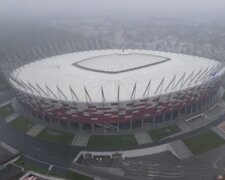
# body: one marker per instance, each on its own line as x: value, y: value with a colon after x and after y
x: 61, y: 155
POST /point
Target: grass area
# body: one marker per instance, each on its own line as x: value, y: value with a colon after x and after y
x: 6, y: 111
x: 55, y: 136
x: 111, y: 141
x: 157, y: 134
x: 203, y: 142
x: 21, y: 124
x: 27, y: 166
x: 70, y: 176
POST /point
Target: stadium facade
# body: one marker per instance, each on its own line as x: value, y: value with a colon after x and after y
x: 116, y: 89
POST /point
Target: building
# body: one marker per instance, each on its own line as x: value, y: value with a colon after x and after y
x: 116, y: 89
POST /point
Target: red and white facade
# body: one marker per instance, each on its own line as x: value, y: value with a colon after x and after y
x: 116, y: 90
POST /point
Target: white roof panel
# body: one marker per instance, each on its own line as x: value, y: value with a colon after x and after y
x: 108, y: 69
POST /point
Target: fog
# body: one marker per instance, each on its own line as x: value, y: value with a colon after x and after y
x: 180, y: 116
x: 154, y: 24
x: 35, y: 8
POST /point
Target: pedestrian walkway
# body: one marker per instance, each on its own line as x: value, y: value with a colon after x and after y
x: 181, y: 149
x: 184, y: 126
x: 35, y: 130
x: 218, y: 132
x: 80, y: 139
x: 11, y: 117
x: 221, y: 103
x: 215, y: 112
x: 142, y: 137
x: 6, y: 103
x: 198, y: 122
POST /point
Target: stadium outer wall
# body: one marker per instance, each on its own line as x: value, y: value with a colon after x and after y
x: 138, y: 113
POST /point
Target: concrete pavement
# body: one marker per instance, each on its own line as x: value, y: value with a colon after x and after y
x: 35, y: 130
x: 142, y: 137
x: 11, y: 117
x: 80, y: 139
x: 181, y: 149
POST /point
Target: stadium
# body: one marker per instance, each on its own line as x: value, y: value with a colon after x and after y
x: 116, y: 89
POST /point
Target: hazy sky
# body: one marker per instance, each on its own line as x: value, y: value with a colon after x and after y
x: 29, y: 8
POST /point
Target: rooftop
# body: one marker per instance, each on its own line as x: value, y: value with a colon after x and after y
x: 102, y: 71
x: 119, y: 62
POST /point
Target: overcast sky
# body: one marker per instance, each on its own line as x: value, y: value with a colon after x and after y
x: 32, y: 8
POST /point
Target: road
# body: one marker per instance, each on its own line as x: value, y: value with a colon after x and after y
x: 61, y: 155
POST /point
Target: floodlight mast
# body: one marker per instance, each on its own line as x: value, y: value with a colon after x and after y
x: 123, y: 47
x: 118, y: 106
x: 146, y: 93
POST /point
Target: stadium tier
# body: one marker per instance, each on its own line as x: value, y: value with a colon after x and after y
x: 116, y: 89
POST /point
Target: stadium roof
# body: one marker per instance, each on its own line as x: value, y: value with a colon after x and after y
x: 98, y: 75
